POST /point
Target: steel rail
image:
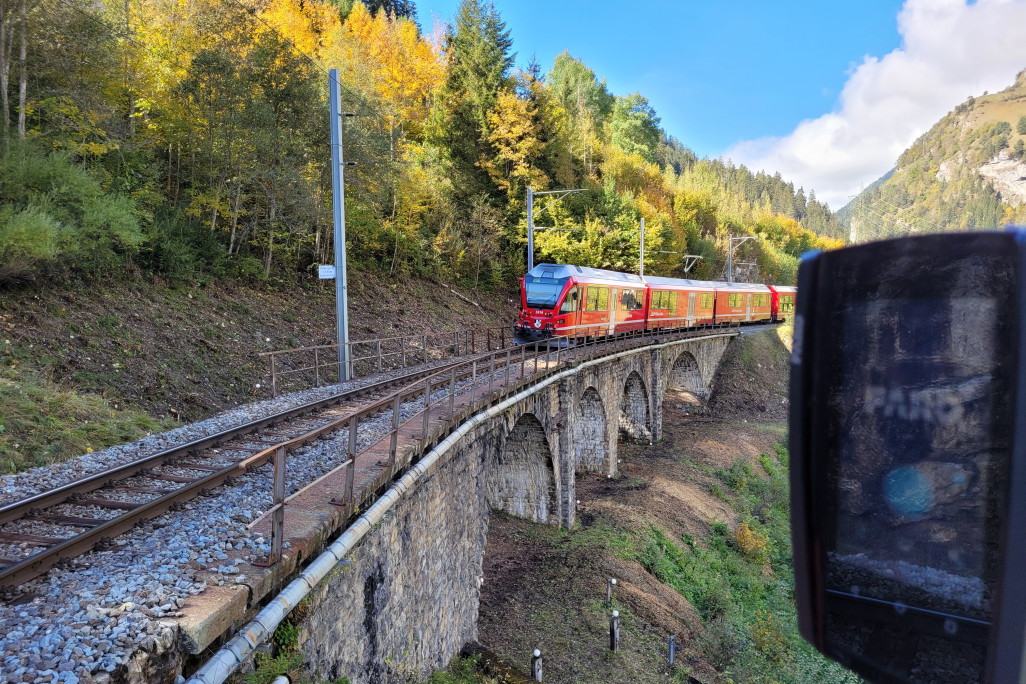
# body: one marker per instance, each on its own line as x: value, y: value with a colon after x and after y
x: 40, y: 562
x: 444, y: 374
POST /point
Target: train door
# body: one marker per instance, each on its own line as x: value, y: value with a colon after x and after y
x: 691, y: 309
x: 612, y: 311
x: 748, y: 307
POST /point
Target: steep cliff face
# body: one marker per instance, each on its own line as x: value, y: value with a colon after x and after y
x: 1007, y: 173
x: 968, y: 172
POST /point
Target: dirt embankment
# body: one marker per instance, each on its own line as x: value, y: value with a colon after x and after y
x: 93, y: 364
x: 665, y: 528
x: 190, y: 351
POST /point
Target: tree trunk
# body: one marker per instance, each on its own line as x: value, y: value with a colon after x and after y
x: 235, y: 212
x: 270, y: 239
x: 5, y: 70
x: 23, y: 72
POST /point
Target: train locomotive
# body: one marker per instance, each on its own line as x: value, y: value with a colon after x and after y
x: 568, y: 302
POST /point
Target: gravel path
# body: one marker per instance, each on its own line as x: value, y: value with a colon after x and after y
x: 90, y: 615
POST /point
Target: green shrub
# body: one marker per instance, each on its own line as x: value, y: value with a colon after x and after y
x: 27, y: 237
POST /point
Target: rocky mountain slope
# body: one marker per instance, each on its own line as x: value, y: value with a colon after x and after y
x: 968, y: 172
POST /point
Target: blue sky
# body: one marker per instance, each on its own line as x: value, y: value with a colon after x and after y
x: 827, y: 93
x: 716, y: 72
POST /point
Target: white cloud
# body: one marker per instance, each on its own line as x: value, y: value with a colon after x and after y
x: 950, y: 50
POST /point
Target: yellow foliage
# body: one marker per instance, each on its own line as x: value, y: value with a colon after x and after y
x: 515, y: 130
x: 768, y: 636
x: 403, y: 68
x: 753, y: 544
x: 307, y: 25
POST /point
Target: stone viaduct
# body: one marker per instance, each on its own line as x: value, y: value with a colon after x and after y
x: 406, y: 600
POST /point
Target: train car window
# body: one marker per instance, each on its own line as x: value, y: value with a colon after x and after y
x: 707, y: 300
x: 736, y: 299
x: 631, y: 300
x: 663, y: 300
x: 569, y: 302
x: 787, y: 303
x: 905, y: 376
x: 598, y: 299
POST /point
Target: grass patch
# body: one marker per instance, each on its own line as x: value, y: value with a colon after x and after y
x: 42, y: 423
x: 741, y: 581
x: 467, y: 671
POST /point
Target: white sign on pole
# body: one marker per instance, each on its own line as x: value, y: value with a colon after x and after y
x: 326, y: 271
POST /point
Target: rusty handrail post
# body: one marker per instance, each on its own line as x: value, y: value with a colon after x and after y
x: 509, y: 354
x: 395, y: 431
x: 427, y: 414
x: 402, y: 348
x: 489, y: 333
x: 378, y: 345
x: 274, y: 380
x: 473, y: 345
x: 278, y: 516
x: 473, y: 373
x: 452, y: 392
x: 535, y: 358
x: 317, y: 370
x: 491, y: 374
x: 558, y: 346
x: 354, y: 426
x: 523, y: 359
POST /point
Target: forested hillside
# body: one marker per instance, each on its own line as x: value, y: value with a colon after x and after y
x: 188, y: 139
x: 968, y: 172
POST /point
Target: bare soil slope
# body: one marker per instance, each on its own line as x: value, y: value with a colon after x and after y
x: 183, y: 353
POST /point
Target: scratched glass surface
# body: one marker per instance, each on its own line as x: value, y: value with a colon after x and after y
x: 911, y: 568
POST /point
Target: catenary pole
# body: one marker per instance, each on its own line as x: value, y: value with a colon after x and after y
x: 641, y: 261
x: 530, y: 229
x: 339, y: 205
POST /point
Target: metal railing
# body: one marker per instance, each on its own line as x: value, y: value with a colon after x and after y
x: 506, y: 371
x: 305, y: 367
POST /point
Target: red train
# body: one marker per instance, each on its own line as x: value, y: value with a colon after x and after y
x: 577, y: 301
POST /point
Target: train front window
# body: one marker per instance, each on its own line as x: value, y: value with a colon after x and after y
x: 542, y: 292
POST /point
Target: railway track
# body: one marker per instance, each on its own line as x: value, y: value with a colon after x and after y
x: 92, y: 511
x: 98, y: 508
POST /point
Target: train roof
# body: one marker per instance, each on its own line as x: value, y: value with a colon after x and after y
x: 559, y: 271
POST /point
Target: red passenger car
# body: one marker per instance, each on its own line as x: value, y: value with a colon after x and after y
x: 575, y: 301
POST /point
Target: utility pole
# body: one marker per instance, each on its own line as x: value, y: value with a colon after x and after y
x: 345, y: 362
x: 730, y: 255
x: 530, y: 229
x: 641, y: 261
x: 531, y: 213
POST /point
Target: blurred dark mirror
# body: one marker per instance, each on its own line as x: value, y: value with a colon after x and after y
x: 907, y: 364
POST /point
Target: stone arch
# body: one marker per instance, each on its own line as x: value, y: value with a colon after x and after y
x: 635, y: 420
x: 686, y: 376
x: 523, y: 479
x: 591, y: 434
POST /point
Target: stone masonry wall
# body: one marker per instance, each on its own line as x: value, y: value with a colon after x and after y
x: 408, y: 602
x: 522, y: 481
x: 590, y: 443
x: 634, y: 409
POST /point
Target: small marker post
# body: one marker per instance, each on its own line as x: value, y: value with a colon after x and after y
x: 673, y: 648
x: 610, y: 583
x: 614, y: 632
x: 536, y: 666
